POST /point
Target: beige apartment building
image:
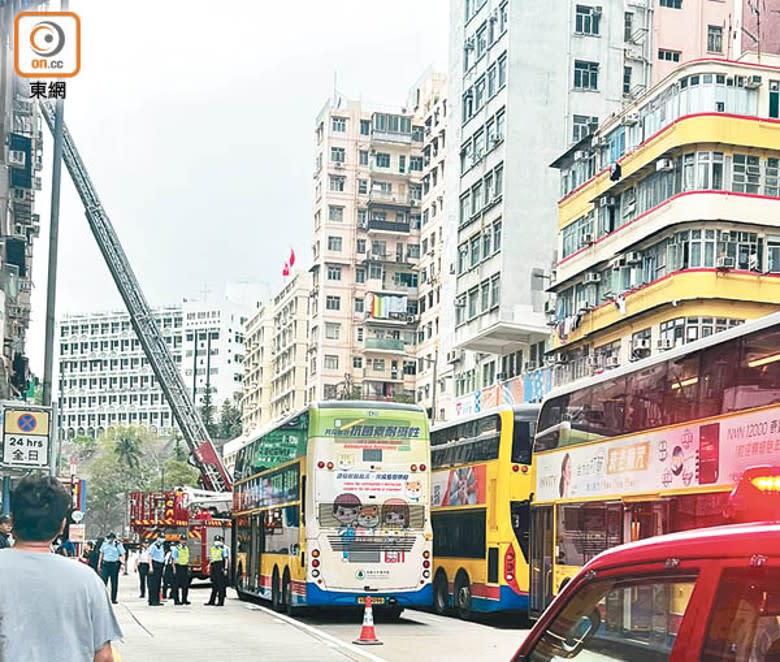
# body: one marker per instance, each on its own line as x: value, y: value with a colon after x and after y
x: 275, y: 348
x: 436, y: 283
x: 363, y: 308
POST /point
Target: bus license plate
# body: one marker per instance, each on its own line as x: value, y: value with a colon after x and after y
x: 374, y: 601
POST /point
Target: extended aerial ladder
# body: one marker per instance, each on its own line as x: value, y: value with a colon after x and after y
x: 214, y: 475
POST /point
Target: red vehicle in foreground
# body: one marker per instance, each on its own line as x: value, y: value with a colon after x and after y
x: 708, y: 594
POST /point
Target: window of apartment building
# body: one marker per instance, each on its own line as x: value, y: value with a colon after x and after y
x: 626, y: 80
x: 714, y: 38
x: 382, y: 160
x: 357, y: 362
x: 415, y: 192
x: 336, y: 183
x: 402, y: 163
x: 497, y: 236
x: 746, y: 175
x: 335, y: 214
x: 331, y: 362
x: 479, y: 93
x: 337, y: 154
x: 361, y: 246
x: 495, y: 290
x: 474, y: 250
x: 334, y: 244
x: 338, y: 124
x: 362, y: 218
x: 488, y: 373
x: 360, y: 275
x: 363, y: 157
x: 586, y: 75
x: 334, y: 272
x: 415, y: 163
x: 365, y: 127
x: 628, y: 26
x: 473, y: 299
x: 487, y: 238
x: 359, y: 305
x: 332, y: 302
x: 375, y: 271
x: 332, y: 330
x: 668, y: 56
x: 583, y: 125
x: 484, y: 289
x: 672, y: 4
x: 772, y: 178
x: 317, y: 219
x: 586, y: 20
x: 481, y: 40
x: 362, y: 186
x: 774, y: 99
x: 502, y: 71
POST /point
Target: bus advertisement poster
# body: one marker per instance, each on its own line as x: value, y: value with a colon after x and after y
x: 715, y: 452
x: 459, y: 487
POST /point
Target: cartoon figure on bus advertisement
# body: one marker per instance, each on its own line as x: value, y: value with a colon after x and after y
x: 414, y: 490
x: 346, y: 509
x: 395, y: 514
x: 368, y: 519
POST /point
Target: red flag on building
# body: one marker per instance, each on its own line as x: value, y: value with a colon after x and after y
x: 286, y: 270
x: 292, y: 258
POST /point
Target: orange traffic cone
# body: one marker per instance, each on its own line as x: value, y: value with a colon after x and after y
x: 367, y: 635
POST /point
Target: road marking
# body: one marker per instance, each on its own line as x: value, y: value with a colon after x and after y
x: 328, y: 639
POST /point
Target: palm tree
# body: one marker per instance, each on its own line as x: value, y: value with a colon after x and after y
x: 128, y: 450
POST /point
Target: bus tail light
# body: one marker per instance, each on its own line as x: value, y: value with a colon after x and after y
x: 315, y: 553
x: 321, y: 464
x: 330, y: 466
x: 315, y: 563
x: 515, y: 468
x: 426, y: 573
x: 426, y: 554
x: 524, y: 468
x: 423, y: 467
x: 414, y: 467
x: 426, y: 563
x: 509, y: 564
x: 767, y: 484
x: 315, y: 573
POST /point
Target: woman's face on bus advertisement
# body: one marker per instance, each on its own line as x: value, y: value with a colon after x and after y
x: 346, y: 514
x: 395, y: 518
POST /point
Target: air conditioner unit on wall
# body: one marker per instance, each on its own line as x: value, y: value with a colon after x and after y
x: 664, y: 165
x: 641, y: 343
x: 592, y: 277
x: 630, y: 119
x: 665, y: 343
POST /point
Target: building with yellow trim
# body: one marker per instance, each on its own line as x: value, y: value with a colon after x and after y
x: 669, y: 221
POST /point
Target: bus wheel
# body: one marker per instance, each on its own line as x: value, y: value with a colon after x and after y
x: 441, y: 594
x: 288, y: 595
x: 463, y: 596
x: 277, y: 600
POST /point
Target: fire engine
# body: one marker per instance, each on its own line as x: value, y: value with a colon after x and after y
x: 200, y: 514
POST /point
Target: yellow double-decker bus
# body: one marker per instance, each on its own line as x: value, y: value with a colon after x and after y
x: 332, y: 504
x: 480, y: 496
x: 651, y: 448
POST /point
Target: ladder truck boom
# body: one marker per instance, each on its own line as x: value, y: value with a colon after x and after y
x: 214, y: 475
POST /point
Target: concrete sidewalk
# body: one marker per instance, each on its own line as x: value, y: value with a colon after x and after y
x: 238, y: 631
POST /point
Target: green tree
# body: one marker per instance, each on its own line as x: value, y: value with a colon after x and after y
x: 207, y: 412
x: 230, y: 419
x: 128, y: 449
x: 179, y: 473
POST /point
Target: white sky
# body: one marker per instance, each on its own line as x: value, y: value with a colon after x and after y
x: 196, y: 125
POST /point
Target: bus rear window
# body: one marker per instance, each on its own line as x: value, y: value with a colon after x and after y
x: 522, y: 434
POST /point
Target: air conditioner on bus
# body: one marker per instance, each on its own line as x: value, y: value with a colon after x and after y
x: 664, y: 165
x: 592, y: 277
x: 665, y: 343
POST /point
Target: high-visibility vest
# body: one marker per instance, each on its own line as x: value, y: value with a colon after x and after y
x: 215, y: 554
x: 184, y: 556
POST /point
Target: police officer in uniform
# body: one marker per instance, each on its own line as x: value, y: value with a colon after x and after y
x: 157, y: 555
x: 112, y: 554
x: 218, y: 566
x: 181, y: 568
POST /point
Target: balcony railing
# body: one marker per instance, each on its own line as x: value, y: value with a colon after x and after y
x: 388, y: 226
x: 385, y: 344
x: 394, y: 199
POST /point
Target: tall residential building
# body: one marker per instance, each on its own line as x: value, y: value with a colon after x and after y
x: 513, y: 109
x: 105, y: 378
x: 257, y: 370
x: 290, y: 342
x: 22, y: 159
x: 684, y: 240
x: 366, y: 249
x: 277, y: 342
x: 433, y: 384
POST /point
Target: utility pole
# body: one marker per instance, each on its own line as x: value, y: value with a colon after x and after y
x: 54, y: 230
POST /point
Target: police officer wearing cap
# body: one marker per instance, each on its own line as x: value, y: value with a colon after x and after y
x: 181, y: 568
x: 218, y: 565
x: 157, y: 555
x: 112, y: 556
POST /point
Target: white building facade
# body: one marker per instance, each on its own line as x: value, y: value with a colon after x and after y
x: 513, y: 109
